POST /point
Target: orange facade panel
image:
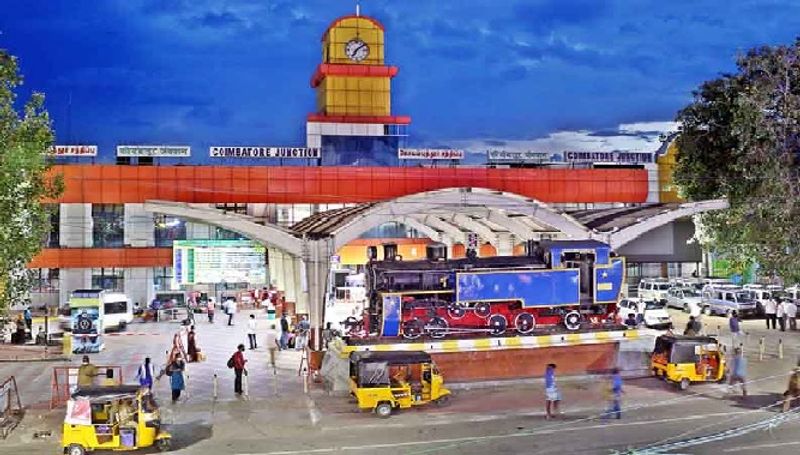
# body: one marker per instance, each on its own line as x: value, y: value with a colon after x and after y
x: 239, y: 184
x: 102, y: 257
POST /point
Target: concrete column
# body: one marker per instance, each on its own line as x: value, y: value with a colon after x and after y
x: 317, y: 265
x: 75, y: 227
x: 72, y: 279
x: 139, y: 228
x: 505, y: 244
x: 138, y: 283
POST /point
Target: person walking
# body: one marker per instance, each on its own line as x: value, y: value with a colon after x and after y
x: 284, y: 332
x: 272, y: 345
x: 615, y: 395
x: 210, y: 310
x: 302, y: 333
x: 733, y: 324
x: 770, y: 308
x: 238, y: 362
x: 738, y: 371
x: 230, y: 308
x: 791, y: 314
x: 191, y: 345
x: 28, y: 318
x: 552, y: 395
x: 251, y: 331
x: 146, y: 373
x: 780, y: 313
x: 793, y: 390
x: 176, y: 380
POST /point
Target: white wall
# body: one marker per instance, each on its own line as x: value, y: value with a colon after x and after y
x: 75, y: 226
x: 72, y: 279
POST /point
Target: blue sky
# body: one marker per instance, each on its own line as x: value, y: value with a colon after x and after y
x: 472, y: 72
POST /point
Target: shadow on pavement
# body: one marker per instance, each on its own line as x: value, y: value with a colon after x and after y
x: 758, y: 401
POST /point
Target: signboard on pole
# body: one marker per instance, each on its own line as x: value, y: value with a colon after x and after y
x: 154, y: 150
x: 430, y: 154
x: 73, y: 150
x: 263, y: 152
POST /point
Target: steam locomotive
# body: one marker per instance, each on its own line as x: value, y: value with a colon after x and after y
x: 573, y: 284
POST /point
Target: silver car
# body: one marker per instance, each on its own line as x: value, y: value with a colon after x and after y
x: 687, y: 299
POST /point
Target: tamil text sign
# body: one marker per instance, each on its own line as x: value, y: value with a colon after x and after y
x: 73, y: 150
x: 519, y: 156
x: 430, y: 154
x: 154, y: 150
x: 263, y: 152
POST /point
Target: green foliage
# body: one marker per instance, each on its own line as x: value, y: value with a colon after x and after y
x: 741, y: 140
x: 24, y: 183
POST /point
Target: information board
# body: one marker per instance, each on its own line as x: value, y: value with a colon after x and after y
x: 218, y: 261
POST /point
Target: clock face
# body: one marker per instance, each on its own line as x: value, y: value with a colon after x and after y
x: 356, y: 50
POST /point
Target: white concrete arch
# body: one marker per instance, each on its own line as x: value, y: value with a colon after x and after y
x: 452, y: 200
x: 619, y: 238
x: 267, y: 234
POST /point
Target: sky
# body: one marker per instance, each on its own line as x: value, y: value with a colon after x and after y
x: 500, y: 74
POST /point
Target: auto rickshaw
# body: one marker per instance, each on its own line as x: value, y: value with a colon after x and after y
x: 122, y: 417
x: 384, y: 381
x: 683, y: 360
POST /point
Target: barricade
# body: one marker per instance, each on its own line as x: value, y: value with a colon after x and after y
x: 11, y: 410
x: 65, y: 381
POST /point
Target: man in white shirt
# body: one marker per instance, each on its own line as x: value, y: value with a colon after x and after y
x: 780, y: 313
x: 770, y: 308
x: 251, y: 331
x: 791, y: 314
x: 272, y: 344
x: 230, y: 307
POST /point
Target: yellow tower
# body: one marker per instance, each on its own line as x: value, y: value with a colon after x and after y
x: 353, y: 84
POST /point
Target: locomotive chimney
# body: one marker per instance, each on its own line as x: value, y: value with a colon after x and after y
x: 436, y: 252
x: 389, y: 251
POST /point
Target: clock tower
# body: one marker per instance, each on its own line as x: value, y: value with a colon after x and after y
x: 353, y: 123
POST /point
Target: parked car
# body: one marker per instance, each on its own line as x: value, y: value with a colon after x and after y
x: 762, y: 293
x: 723, y: 301
x: 654, y: 290
x: 687, y: 299
x: 653, y: 313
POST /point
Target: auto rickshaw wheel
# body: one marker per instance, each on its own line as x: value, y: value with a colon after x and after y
x: 76, y: 449
x: 163, y: 444
x: 684, y: 384
x: 383, y: 410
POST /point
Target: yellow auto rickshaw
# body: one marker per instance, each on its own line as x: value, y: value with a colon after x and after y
x: 683, y: 360
x: 122, y: 417
x: 384, y: 381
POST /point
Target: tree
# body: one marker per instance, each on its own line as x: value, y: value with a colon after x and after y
x: 740, y: 139
x: 24, y: 183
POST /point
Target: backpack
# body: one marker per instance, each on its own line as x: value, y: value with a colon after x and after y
x: 230, y: 362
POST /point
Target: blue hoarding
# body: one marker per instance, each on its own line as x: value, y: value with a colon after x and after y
x: 532, y: 288
x: 391, y: 315
x: 608, y: 281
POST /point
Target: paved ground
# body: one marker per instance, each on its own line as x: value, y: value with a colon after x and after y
x: 279, y: 419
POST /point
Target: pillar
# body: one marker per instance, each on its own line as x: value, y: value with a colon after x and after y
x: 70, y: 280
x: 75, y: 226
x: 317, y: 266
x: 138, y: 283
x: 139, y: 228
x: 505, y: 244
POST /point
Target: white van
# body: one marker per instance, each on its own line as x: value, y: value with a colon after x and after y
x: 762, y: 293
x: 654, y: 290
x: 117, y: 311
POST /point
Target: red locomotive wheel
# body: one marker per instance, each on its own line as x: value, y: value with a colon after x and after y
x: 482, y: 309
x: 497, y: 324
x: 456, y: 310
x: 412, y: 329
x: 437, y: 327
x: 524, y: 323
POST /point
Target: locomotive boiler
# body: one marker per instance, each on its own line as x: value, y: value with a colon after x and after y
x: 571, y: 284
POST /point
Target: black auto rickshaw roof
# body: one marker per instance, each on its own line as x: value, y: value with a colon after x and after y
x: 391, y: 357
x: 681, y: 338
x: 98, y: 391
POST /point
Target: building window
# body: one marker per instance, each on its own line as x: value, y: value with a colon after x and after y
x: 391, y: 230
x: 162, y: 278
x: 45, y: 280
x: 108, y: 225
x: 168, y: 229
x: 224, y: 234
x: 111, y: 279
x: 52, y: 240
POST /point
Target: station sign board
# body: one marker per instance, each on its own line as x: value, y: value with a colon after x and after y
x: 609, y: 157
x: 154, y: 150
x: 217, y: 261
x: 264, y: 152
x: 73, y: 150
x: 430, y: 154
